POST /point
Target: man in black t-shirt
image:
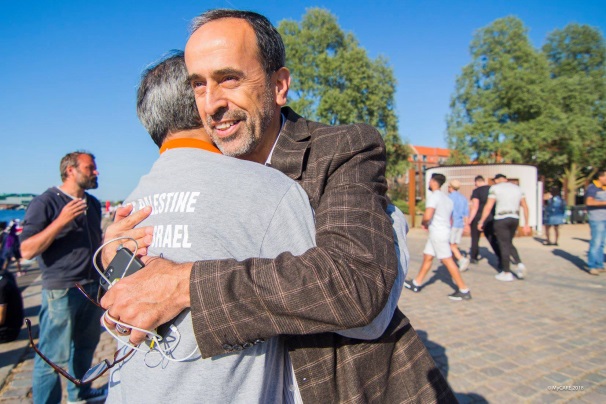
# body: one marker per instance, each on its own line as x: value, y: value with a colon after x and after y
x: 11, y: 308
x: 479, y: 196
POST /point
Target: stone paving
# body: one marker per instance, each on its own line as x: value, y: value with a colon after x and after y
x: 514, y: 341
x: 542, y: 339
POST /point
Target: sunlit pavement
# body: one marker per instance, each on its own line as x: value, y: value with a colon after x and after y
x: 541, y: 339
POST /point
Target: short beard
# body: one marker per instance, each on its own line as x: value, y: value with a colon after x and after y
x: 90, y: 183
x: 249, y: 143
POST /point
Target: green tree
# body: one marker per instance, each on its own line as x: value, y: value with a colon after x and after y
x: 335, y: 82
x: 500, y: 97
x: 577, y: 62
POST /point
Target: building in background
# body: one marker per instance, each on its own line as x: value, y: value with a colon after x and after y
x: 15, y: 201
x: 423, y: 158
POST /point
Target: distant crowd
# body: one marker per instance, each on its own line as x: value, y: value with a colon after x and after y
x: 495, y: 211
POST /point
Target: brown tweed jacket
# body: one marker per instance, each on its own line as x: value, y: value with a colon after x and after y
x: 343, y: 283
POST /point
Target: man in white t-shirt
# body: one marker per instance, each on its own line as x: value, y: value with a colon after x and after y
x: 438, y: 219
x: 508, y: 198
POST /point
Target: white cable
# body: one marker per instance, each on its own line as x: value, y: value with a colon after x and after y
x: 102, y: 273
x: 154, y: 337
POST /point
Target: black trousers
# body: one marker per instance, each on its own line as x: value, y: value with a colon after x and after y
x: 505, y: 230
x: 488, y: 233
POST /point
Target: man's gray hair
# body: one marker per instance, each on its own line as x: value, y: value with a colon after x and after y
x: 271, y: 47
x: 71, y: 160
x: 165, y: 99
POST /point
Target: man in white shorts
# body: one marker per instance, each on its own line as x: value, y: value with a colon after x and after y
x: 438, y: 219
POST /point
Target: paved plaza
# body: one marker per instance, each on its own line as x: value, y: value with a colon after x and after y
x: 542, y: 339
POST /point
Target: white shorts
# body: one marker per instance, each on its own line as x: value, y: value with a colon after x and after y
x: 438, y: 245
x: 455, y: 235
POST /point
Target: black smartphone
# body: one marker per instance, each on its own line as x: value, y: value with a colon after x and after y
x: 118, y: 266
x: 116, y: 269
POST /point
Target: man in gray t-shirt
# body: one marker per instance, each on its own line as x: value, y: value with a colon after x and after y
x: 507, y: 198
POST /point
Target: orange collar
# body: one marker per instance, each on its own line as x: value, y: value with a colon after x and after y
x: 188, y: 142
x: 599, y: 184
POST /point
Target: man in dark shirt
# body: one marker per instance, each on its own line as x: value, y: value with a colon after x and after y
x: 479, y: 196
x: 11, y: 308
x: 62, y: 228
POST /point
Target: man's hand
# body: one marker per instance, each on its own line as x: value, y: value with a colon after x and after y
x: 150, y: 297
x: 123, y: 226
x: 480, y: 225
x: 38, y: 243
x: 527, y: 231
x: 72, y: 210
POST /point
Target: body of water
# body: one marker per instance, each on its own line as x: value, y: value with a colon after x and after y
x: 8, y: 215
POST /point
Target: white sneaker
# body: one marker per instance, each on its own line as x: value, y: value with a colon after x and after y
x: 521, y: 271
x: 504, y: 276
x: 463, y: 264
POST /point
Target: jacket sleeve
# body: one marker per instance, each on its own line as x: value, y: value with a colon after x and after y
x: 342, y: 283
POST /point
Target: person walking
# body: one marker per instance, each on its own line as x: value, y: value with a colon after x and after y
x: 553, y: 215
x: 437, y: 218
x: 508, y: 198
x: 460, y: 217
x: 479, y: 197
x: 62, y: 228
x: 595, y: 199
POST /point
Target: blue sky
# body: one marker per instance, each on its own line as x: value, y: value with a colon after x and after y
x: 69, y: 70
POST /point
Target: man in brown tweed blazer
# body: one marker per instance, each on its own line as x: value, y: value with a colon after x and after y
x: 236, y: 65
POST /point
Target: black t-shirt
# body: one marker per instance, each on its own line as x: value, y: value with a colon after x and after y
x: 481, y: 194
x: 10, y: 295
x: 69, y: 258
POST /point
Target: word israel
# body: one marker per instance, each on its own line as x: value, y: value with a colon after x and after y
x: 168, y: 202
x: 171, y: 236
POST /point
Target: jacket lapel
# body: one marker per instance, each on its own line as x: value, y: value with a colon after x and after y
x: 291, y: 149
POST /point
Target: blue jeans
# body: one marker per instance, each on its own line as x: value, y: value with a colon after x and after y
x: 69, y: 334
x: 595, y: 257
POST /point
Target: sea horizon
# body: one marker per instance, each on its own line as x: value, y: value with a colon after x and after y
x: 6, y: 215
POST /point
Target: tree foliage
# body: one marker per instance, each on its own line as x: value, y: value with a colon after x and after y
x: 334, y: 81
x: 516, y: 104
x: 577, y: 60
x: 498, y: 96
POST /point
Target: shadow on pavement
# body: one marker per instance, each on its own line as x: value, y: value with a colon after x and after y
x: 438, y: 353
x: 490, y: 257
x: 574, y: 259
x: 540, y: 240
x: 470, y: 398
x: 31, y: 311
x: 441, y: 274
x: 581, y: 239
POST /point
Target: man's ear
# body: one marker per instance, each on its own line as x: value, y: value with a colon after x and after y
x: 70, y: 170
x: 282, y: 82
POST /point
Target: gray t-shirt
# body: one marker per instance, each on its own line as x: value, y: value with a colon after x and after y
x: 209, y: 206
x: 508, y: 197
x: 596, y: 212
